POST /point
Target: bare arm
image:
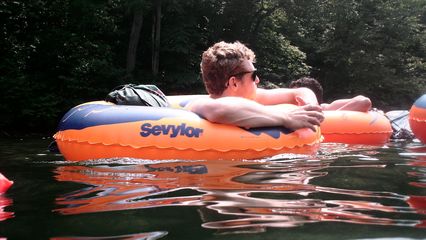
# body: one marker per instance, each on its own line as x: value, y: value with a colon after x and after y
x: 297, y: 96
x: 246, y: 113
x: 358, y: 103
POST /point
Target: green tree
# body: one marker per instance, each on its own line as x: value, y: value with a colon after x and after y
x: 136, y: 8
x: 56, y: 53
x: 366, y: 47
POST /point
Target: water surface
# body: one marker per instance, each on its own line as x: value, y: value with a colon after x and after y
x: 343, y: 192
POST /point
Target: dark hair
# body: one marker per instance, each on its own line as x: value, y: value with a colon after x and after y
x: 310, y: 83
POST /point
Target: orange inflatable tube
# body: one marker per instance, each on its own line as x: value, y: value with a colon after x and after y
x: 352, y: 127
x: 417, y: 118
x: 103, y: 130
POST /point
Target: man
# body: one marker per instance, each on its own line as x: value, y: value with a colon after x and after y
x: 358, y: 103
x: 230, y: 79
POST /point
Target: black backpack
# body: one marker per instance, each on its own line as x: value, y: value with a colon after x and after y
x: 142, y: 95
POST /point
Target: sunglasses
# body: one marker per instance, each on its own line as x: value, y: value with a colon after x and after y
x: 253, y: 75
x: 241, y: 74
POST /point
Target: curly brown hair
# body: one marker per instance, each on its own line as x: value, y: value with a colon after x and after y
x: 310, y: 83
x: 220, y: 61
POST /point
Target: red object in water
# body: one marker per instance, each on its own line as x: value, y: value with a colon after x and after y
x: 418, y: 203
x: 4, y: 184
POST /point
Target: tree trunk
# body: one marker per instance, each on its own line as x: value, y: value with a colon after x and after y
x: 156, y: 27
x: 134, y: 40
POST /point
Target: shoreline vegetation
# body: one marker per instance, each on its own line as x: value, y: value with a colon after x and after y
x: 56, y: 55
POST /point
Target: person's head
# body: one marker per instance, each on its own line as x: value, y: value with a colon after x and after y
x: 310, y: 83
x: 228, y: 65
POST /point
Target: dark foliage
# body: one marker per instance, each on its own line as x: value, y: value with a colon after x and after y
x: 56, y: 54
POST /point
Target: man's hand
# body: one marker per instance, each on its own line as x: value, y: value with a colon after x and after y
x: 307, y: 116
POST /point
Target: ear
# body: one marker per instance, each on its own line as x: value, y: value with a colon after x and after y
x: 233, y: 82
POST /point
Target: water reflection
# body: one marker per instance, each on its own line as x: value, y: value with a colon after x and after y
x: 138, y: 236
x: 5, y: 202
x: 418, y: 174
x: 245, y: 195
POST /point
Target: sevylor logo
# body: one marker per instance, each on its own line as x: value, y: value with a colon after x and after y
x: 173, y: 131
